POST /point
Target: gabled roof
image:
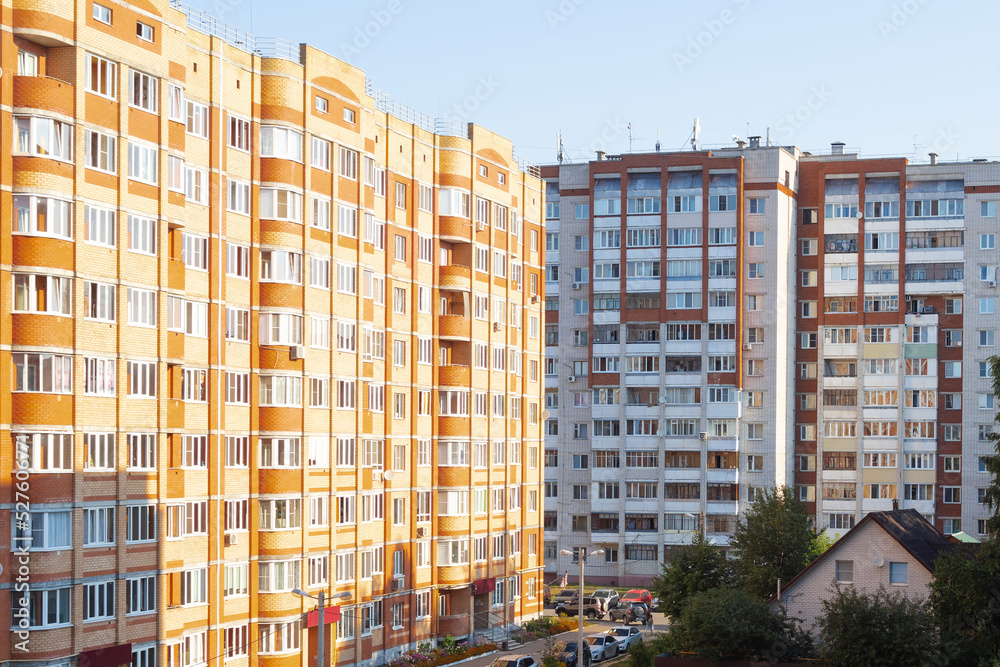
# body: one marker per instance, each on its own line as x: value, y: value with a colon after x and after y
x: 908, y: 527
x: 915, y: 534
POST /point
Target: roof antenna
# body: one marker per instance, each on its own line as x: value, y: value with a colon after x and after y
x: 657, y: 141
x: 695, y: 134
x: 630, y: 137
x: 560, y: 152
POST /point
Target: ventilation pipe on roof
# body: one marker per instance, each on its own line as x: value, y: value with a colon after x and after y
x: 933, y: 157
x: 837, y: 148
x: 600, y: 156
x: 754, y: 142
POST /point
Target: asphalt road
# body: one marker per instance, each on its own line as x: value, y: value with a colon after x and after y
x: 536, y: 648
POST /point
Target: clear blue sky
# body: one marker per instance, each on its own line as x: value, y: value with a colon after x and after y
x: 870, y: 73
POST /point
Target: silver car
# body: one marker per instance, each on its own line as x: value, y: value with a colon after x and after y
x: 602, y: 647
x: 626, y: 635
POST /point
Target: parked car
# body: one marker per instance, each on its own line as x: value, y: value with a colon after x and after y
x: 602, y: 647
x: 565, y: 596
x: 515, y: 661
x: 591, y: 608
x: 608, y: 598
x: 631, y: 612
x: 626, y: 637
x: 655, y: 606
x: 638, y: 595
x: 565, y: 652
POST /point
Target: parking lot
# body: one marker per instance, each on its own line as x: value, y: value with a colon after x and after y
x: 537, y: 648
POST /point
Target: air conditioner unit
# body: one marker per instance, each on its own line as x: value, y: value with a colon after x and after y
x: 534, y: 298
x: 231, y: 539
x: 296, y: 352
x: 398, y: 583
x: 747, y: 346
x: 481, y: 225
x: 571, y: 378
x: 703, y: 435
x: 576, y: 285
x: 422, y: 531
x: 992, y: 283
x: 496, y: 326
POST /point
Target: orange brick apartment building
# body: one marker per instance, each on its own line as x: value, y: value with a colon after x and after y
x: 256, y: 333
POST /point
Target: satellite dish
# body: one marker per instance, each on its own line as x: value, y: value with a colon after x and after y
x: 879, y: 561
x: 388, y: 475
x: 545, y: 414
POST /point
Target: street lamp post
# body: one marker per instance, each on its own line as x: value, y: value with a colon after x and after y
x: 320, y: 620
x: 582, y: 557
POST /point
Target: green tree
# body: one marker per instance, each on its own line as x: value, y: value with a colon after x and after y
x: 965, y: 599
x: 723, y: 623
x: 693, y: 568
x: 773, y: 540
x: 876, y: 628
x: 992, y: 498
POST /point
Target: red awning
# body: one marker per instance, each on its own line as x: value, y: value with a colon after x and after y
x: 331, y: 615
x: 484, y: 586
x: 112, y: 656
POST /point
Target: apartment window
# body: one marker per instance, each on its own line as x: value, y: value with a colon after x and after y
x: 140, y: 523
x: 196, y: 121
x: 102, y: 151
x: 280, y: 204
x: 45, y: 531
x: 143, y: 89
x: 281, y: 514
x: 347, y: 163
x: 99, y: 526
x: 277, y: 638
x: 101, y: 73
x: 349, y: 117
x: 280, y: 142
x: 42, y: 216
x: 144, y: 31
x: 951, y: 494
x: 43, y: 373
x: 319, y: 157
x: 47, y: 608
x: 140, y: 595
x: 143, y: 163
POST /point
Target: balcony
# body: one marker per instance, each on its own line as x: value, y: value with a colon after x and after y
x: 455, y: 230
x: 454, y: 327
x: 46, y: 93
x: 455, y: 277
x: 454, y: 376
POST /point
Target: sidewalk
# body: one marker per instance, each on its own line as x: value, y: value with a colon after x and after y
x: 537, y: 648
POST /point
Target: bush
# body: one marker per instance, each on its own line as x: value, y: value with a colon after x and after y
x: 730, y: 623
x: 877, y: 628
x: 693, y: 568
x: 425, y: 656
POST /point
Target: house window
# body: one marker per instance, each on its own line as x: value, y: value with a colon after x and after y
x: 101, y: 74
x: 898, y: 573
x: 844, y: 572
x: 102, y: 14
x: 280, y: 142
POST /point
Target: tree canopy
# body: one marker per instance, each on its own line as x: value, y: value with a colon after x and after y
x: 693, y: 569
x: 773, y: 540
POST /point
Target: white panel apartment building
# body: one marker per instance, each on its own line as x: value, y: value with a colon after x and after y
x: 720, y: 322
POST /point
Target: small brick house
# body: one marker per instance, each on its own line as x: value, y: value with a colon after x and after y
x: 894, y: 549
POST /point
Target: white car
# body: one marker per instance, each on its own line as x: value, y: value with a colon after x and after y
x: 626, y: 636
x: 602, y: 647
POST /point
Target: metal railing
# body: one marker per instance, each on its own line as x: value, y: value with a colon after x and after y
x: 265, y: 47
